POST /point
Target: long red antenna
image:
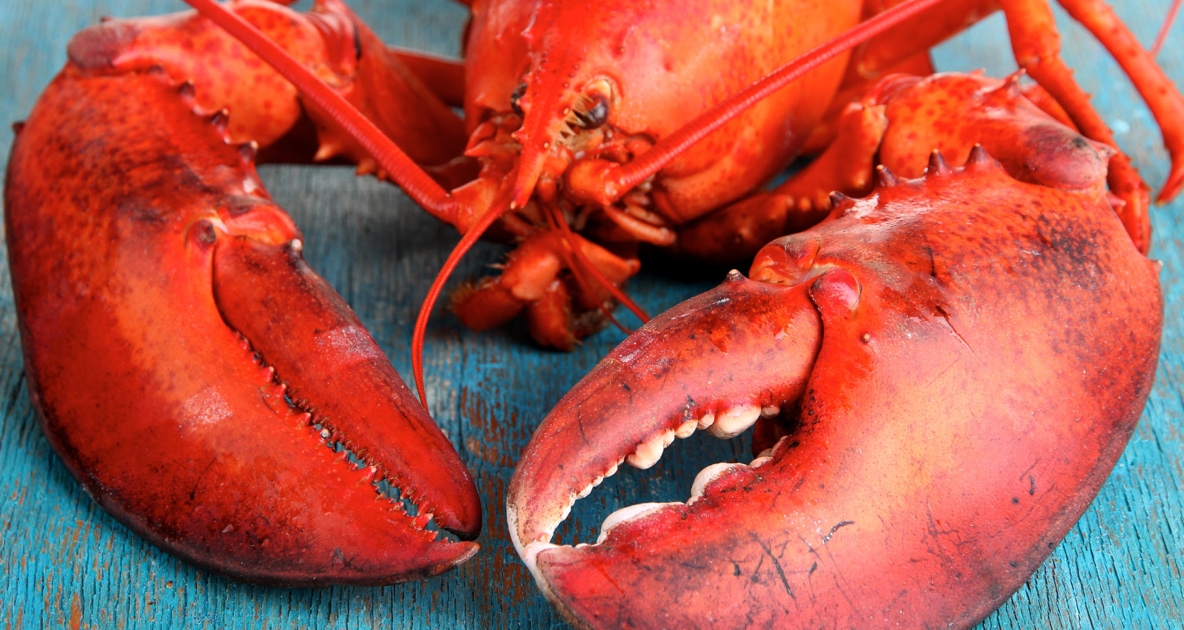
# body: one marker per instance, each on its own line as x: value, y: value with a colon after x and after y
x: 629, y: 175
x: 496, y: 209
x: 1167, y: 26
x: 575, y: 255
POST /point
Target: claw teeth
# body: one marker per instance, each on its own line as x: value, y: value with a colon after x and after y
x: 650, y: 451
x: 595, y: 482
x: 626, y: 514
x: 706, y: 476
x: 685, y: 429
x: 770, y: 411
x: 706, y: 421
x: 612, y: 471
x: 735, y: 421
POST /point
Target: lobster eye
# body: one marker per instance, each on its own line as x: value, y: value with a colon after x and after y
x: 516, y: 96
x: 596, y: 115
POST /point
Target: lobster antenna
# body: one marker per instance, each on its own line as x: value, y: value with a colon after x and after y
x: 500, y: 204
x: 559, y: 224
x: 407, y: 174
x: 647, y: 164
x: 1167, y: 26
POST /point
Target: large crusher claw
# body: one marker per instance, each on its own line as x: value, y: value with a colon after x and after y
x: 941, y: 377
x: 201, y: 382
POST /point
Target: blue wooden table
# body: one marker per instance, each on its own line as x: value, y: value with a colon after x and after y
x: 64, y: 562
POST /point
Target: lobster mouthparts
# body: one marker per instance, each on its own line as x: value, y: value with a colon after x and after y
x: 945, y: 374
x: 202, y: 383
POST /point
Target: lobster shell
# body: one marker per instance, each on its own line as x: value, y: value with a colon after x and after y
x: 947, y: 371
x: 192, y: 372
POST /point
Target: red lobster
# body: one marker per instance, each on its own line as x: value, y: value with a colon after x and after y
x: 552, y: 185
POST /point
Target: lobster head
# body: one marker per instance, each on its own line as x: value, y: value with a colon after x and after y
x: 541, y: 100
x: 941, y: 377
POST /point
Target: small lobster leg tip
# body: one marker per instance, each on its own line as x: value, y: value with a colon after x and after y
x: 1174, y: 184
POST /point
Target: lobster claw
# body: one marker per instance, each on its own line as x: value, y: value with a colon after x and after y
x: 205, y: 387
x: 943, y: 373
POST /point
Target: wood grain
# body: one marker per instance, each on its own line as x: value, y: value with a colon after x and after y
x: 64, y: 562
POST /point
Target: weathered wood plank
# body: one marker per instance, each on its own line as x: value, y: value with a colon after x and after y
x: 63, y: 562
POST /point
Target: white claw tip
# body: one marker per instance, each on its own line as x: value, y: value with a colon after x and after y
x: 530, y: 556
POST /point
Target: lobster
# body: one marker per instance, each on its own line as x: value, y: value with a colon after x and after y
x: 528, y: 191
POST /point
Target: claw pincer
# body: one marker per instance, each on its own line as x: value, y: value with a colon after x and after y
x: 202, y: 383
x: 946, y: 372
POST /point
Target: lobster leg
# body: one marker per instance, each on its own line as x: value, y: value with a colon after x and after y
x: 798, y: 203
x: 936, y: 420
x: 1038, y: 52
x: 847, y: 165
x: 205, y: 387
x: 1040, y: 47
x: 531, y: 280
x: 1036, y: 45
x: 444, y: 77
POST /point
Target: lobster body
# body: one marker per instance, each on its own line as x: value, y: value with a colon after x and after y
x: 191, y: 371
